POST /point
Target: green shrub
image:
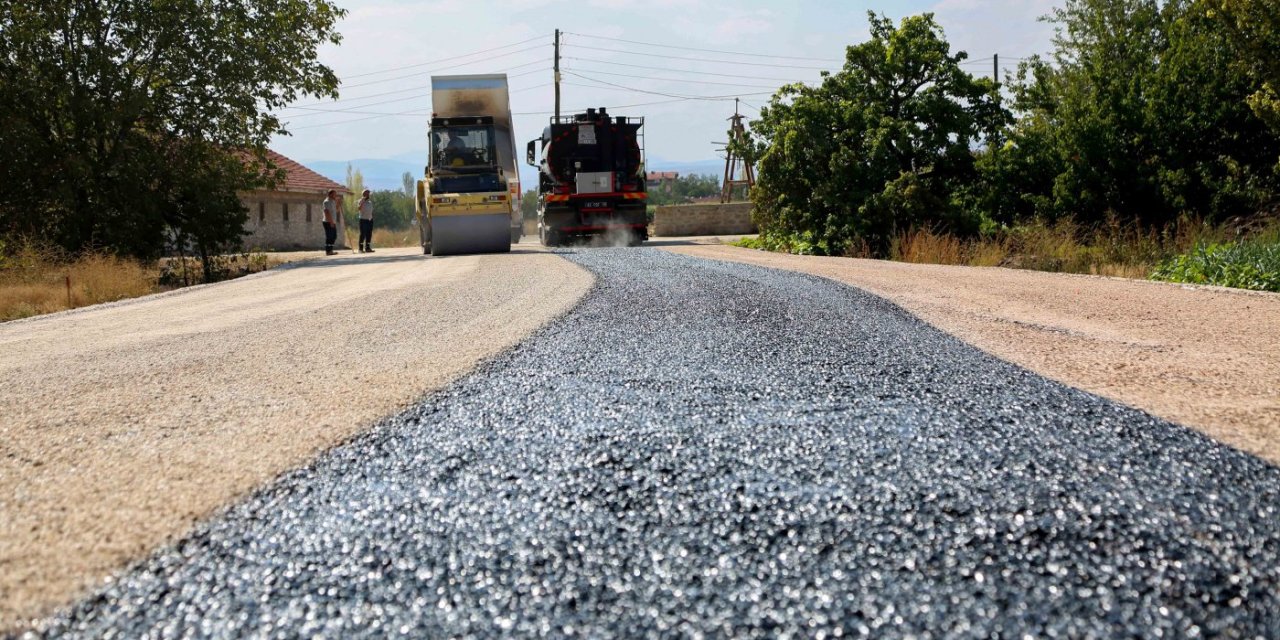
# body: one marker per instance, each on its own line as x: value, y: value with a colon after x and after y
x: 1242, y: 265
x: 802, y: 244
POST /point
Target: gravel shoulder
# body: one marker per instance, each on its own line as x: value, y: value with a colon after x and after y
x: 124, y: 424
x: 1204, y: 357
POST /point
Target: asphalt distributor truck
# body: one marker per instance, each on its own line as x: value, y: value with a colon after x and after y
x: 591, y: 179
x: 468, y: 199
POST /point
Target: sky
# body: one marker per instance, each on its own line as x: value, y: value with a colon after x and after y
x: 676, y: 49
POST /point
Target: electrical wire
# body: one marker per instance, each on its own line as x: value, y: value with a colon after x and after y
x: 686, y: 71
x: 616, y: 106
x: 419, y: 113
x: 463, y: 64
x: 410, y: 89
x: 727, y: 84
x: 659, y: 93
x: 450, y: 58
x: 373, y: 117
x: 656, y: 55
x: 357, y: 109
x: 314, y: 111
x: 667, y: 46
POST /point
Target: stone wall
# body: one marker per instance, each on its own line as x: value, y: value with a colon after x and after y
x: 286, y: 221
x: 703, y: 220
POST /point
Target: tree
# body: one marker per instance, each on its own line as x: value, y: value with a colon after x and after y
x: 878, y: 147
x: 685, y: 189
x: 410, y: 185
x: 98, y: 99
x: 392, y: 209
x: 355, y: 188
x: 1255, y: 26
x: 201, y: 207
x: 529, y: 204
x: 1142, y: 115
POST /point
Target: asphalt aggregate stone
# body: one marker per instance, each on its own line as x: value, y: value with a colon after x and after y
x: 703, y: 449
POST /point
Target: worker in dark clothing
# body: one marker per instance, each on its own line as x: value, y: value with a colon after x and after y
x: 366, y: 222
x: 332, y: 207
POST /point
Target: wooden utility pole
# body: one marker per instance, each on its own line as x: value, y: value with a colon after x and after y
x: 557, y: 68
x: 737, y: 139
x: 995, y: 75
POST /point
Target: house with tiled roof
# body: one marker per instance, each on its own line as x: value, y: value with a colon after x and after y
x: 662, y: 179
x: 289, y: 217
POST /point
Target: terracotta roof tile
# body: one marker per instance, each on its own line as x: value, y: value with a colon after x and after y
x: 300, y: 178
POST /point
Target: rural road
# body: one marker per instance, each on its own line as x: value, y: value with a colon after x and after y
x: 707, y: 448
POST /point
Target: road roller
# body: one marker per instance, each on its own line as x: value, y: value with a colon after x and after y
x: 468, y: 198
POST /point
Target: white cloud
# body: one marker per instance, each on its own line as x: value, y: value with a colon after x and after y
x: 736, y: 28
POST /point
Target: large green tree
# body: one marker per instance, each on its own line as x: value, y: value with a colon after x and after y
x: 881, y: 146
x: 1255, y: 27
x: 128, y: 122
x: 1141, y: 113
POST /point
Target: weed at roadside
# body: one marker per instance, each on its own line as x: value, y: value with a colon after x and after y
x: 1250, y: 264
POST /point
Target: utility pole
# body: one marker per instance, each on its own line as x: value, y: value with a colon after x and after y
x: 995, y: 75
x: 737, y: 139
x: 557, y: 68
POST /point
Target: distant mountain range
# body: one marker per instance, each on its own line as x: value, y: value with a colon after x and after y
x: 385, y: 173
x: 379, y: 174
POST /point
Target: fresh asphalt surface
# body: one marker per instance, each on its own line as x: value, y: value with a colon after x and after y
x: 721, y: 449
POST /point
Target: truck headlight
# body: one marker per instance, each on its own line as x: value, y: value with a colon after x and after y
x: 442, y: 200
x: 500, y: 198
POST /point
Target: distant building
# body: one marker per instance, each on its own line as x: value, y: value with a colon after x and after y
x: 289, y: 217
x: 662, y: 179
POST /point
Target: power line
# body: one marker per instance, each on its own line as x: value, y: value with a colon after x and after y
x: 699, y: 73
x: 659, y: 93
x: 728, y: 84
x: 616, y: 106
x: 668, y: 46
x: 419, y: 113
x: 411, y: 89
x: 373, y: 117
x: 747, y: 64
x: 463, y: 64
x: 450, y: 58
x: 357, y: 109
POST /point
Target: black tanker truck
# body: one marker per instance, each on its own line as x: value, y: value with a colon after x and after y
x: 591, y: 180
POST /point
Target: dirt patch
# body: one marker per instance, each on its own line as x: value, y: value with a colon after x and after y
x: 124, y: 424
x: 1205, y: 357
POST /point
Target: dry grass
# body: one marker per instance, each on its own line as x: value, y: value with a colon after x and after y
x: 35, y: 280
x: 388, y: 238
x: 925, y: 246
x: 1114, y: 249
x: 385, y: 238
